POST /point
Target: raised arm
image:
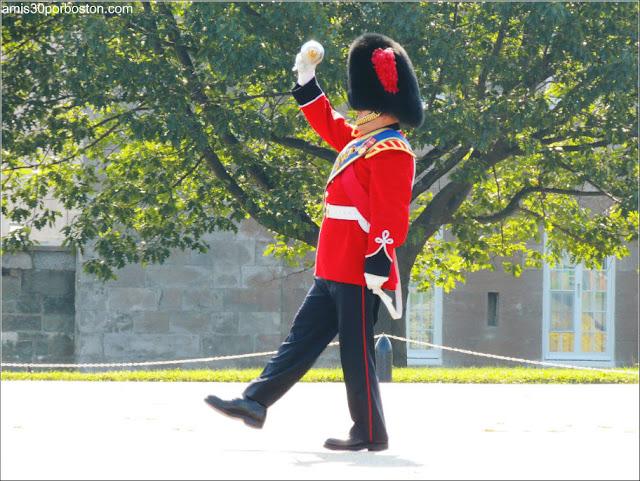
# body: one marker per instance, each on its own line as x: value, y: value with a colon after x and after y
x: 315, y: 106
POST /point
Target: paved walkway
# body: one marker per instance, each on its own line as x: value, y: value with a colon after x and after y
x: 112, y: 430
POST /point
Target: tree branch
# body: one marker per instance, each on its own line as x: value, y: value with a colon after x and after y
x: 559, y: 227
x: 264, y: 25
x: 243, y: 98
x: 446, y: 202
x: 308, y: 232
x: 580, y: 175
x: 309, y: 236
x: 35, y: 36
x: 188, y: 173
x: 514, y: 203
x: 576, y: 148
x: 582, y: 147
x: 482, y: 79
x: 66, y: 159
x: 441, y: 71
x: 427, y: 160
x: 182, y: 54
x: 113, y: 117
x: 535, y: 80
x: 432, y: 176
x: 302, y: 145
x: 154, y: 39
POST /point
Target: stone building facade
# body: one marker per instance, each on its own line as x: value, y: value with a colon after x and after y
x: 38, y: 306
x: 233, y: 300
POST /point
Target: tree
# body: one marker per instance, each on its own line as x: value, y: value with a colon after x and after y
x: 169, y: 122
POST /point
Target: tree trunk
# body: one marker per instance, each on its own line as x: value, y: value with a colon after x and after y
x: 439, y: 211
x: 406, y: 256
x: 398, y: 327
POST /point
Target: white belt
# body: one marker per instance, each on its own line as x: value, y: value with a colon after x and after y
x: 346, y: 212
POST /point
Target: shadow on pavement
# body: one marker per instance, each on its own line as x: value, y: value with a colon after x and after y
x: 360, y: 458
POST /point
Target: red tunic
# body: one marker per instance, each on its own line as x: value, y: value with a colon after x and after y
x: 386, y: 173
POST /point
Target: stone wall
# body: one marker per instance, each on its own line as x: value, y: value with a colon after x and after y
x: 231, y: 300
x: 626, y: 308
x: 38, y: 296
x: 520, y: 330
x: 234, y: 300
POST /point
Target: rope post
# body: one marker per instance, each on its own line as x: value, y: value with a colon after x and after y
x: 384, y: 359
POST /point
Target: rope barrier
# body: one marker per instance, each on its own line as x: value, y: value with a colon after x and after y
x: 506, y: 358
x: 147, y: 363
x: 270, y: 353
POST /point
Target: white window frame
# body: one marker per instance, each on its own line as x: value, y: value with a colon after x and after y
x: 604, y: 359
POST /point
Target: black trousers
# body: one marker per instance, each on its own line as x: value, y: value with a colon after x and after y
x: 331, y: 308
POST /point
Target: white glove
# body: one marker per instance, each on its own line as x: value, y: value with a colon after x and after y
x: 375, y: 282
x: 310, y: 55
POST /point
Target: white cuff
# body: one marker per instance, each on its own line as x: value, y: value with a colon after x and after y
x: 305, y: 77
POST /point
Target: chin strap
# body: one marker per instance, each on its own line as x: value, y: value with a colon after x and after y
x: 368, y: 118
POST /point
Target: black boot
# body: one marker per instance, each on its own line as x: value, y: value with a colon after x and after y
x: 251, y: 412
x: 354, y: 444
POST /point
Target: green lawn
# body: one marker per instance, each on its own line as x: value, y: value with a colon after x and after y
x: 485, y: 375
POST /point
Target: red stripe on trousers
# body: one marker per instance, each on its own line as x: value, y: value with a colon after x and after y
x: 366, y: 365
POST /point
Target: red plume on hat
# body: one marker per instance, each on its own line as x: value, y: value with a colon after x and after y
x: 382, y: 79
x: 384, y: 63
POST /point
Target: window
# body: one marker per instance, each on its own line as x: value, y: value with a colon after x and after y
x: 578, y: 312
x: 492, y: 309
x: 424, y: 323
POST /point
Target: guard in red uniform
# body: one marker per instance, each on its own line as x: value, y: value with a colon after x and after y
x: 366, y: 217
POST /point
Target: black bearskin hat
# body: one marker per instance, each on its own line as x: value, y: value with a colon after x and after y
x: 381, y: 78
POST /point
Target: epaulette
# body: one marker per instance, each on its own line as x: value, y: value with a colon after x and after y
x: 389, y: 144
